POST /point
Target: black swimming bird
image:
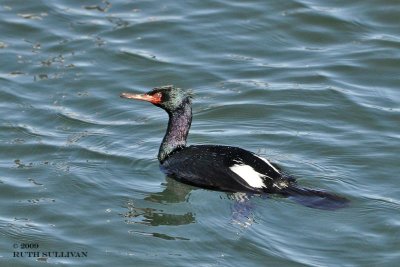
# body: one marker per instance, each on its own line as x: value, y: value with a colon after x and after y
x: 222, y: 168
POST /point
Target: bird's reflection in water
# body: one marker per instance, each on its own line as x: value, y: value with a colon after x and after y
x: 176, y: 193
x: 242, y: 209
x: 155, y: 215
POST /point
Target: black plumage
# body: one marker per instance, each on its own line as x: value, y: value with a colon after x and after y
x: 223, y: 168
x: 208, y: 166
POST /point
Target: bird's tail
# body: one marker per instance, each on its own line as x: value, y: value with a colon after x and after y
x: 316, y: 199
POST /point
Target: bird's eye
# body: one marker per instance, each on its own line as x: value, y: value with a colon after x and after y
x: 157, y: 97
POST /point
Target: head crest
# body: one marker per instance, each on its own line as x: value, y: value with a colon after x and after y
x: 186, y: 93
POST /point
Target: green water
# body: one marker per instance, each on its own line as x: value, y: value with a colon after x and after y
x: 311, y: 85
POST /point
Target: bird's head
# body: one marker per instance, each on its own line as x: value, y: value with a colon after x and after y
x: 167, y: 97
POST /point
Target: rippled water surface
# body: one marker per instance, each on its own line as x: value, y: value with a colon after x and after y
x: 312, y: 85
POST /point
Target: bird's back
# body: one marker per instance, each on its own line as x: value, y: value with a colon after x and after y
x: 224, y: 168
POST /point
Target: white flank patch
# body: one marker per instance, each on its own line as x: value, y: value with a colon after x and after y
x: 249, y: 175
x: 269, y: 163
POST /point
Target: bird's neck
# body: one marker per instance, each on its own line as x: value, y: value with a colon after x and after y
x: 177, y: 131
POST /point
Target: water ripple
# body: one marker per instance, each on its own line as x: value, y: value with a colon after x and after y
x: 311, y: 85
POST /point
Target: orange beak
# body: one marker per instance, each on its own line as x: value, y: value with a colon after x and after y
x: 154, y: 99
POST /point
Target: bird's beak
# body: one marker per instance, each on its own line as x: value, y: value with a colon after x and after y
x: 155, y: 99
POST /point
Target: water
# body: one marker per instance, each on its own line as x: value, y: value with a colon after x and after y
x: 313, y: 86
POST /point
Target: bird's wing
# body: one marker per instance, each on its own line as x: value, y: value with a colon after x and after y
x: 220, y: 167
